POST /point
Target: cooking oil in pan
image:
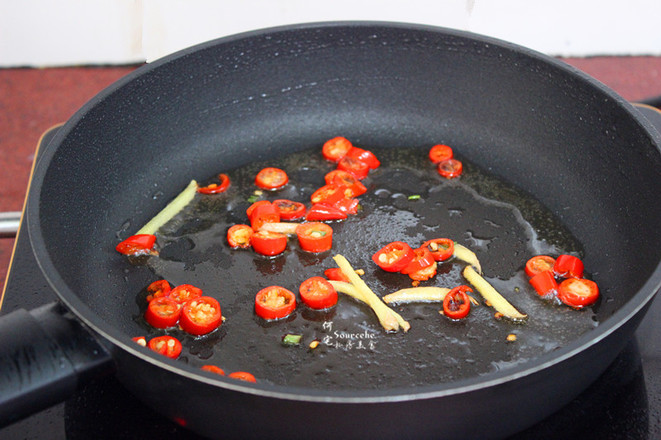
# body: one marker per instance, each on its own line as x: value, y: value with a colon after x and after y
x: 406, y: 201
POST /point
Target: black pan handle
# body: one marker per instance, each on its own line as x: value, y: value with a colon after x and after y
x: 45, y: 356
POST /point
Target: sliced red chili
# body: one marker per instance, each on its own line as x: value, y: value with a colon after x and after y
x: 456, y: 304
x: 216, y: 188
x: 238, y: 236
x: 578, y: 292
x: 335, y: 274
x: 268, y: 243
x: 450, y: 168
x: 139, y: 244
x: 440, y: 152
x: 538, y: 264
x: 200, y: 316
x: 274, y: 302
x: 213, y: 369
x: 263, y: 213
x: 330, y: 194
x: 321, y: 212
x: 394, y: 256
x: 163, y: 312
x: 290, y: 210
x: 158, y: 289
x: 544, y: 283
x: 336, y: 148
x: 365, y: 156
x: 184, y: 292
x: 242, y: 375
x: 441, y: 248
x: 422, y: 259
x: 252, y: 207
x: 318, y: 293
x: 271, y: 178
x: 166, y: 345
x: 348, y: 206
x: 425, y: 273
x: 140, y: 340
x: 358, y: 169
x: 568, y: 266
x: 344, y: 178
x: 315, y: 237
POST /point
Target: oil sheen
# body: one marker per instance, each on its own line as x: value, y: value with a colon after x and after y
x: 503, y: 225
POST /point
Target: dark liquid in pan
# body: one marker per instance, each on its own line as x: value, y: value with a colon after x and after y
x: 501, y: 224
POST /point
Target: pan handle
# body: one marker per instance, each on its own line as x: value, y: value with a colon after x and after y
x: 9, y: 222
x: 45, y: 355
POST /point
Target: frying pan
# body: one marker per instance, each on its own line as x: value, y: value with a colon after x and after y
x: 520, y: 115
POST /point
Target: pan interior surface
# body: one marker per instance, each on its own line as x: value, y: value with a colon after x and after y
x: 552, y: 133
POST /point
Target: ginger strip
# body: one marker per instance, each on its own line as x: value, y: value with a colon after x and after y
x: 281, y: 227
x: 170, y: 210
x: 467, y: 256
x: 349, y: 289
x: 387, y: 316
x: 491, y: 295
x: 417, y: 294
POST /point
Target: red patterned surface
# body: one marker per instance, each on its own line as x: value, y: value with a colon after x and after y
x: 33, y: 100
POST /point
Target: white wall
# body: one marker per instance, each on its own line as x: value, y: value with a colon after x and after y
x: 72, y: 32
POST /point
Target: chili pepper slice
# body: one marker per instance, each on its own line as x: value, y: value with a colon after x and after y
x: 268, y: 243
x: 243, y: 375
x: 348, y: 206
x: 441, y: 248
x: 394, y: 256
x: 216, y: 188
x: 422, y: 259
x: 290, y: 210
x: 158, y: 289
x: 456, y: 304
x: 538, y: 264
x: 450, y: 168
x: 318, y: 293
x: 200, y: 316
x: 263, y: 213
x: 184, y: 292
x: 358, y: 169
x: 213, y: 369
x: 315, y: 237
x: 364, y: 156
x: 252, y: 207
x: 336, y: 148
x: 274, y: 302
x: 163, y: 312
x: 140, y: 340
x: 335, y: 274
x: 544, y: 283
x: 425, y: 273
x: 344, y: 178
x: 578, y: 292
x: 330, y: 194
x: 321, y: 212
x: 238, y: 236
x: 271, y: 178
x: 440, y: 152
x: 139, y: 244
x: 166, y: 345
x: 568, y: 266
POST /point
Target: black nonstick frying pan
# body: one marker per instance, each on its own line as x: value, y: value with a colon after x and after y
x: 580, y: 150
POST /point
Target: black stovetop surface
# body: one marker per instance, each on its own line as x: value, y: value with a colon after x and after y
x: 624, y: 403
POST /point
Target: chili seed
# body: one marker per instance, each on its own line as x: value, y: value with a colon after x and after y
x: 511, y: 337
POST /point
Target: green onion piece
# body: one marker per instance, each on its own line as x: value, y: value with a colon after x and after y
x: 253, y: 198
x: 172, y: 209
x: 290, y: 339
x: 414, y: 197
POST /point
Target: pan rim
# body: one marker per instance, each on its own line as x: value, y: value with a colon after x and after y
x: 637, y: 302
